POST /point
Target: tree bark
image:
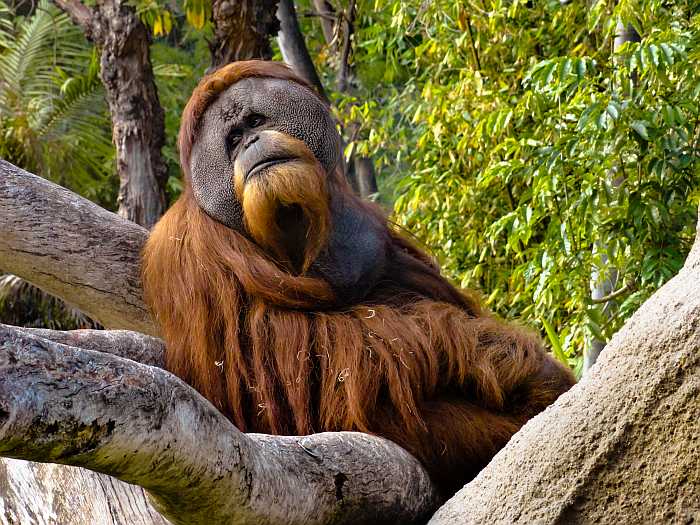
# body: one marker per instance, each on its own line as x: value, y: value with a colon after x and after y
x: 346, y: 49
x: 242, y: 30
x: 138, y: 125
x: 44, y: 493
x: 327, y: 16
x: 142, y: 425
x: 293, y: 47
x: 72, y: 248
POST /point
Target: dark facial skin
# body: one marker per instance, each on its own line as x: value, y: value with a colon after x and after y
x: 230, y: 132
x: 230, y: 127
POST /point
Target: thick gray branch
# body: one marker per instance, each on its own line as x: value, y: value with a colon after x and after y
x: 138, y: 423
x: 72, y: 248
x: 136, y: 346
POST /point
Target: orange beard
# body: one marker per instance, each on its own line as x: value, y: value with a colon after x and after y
x: 286, y: 208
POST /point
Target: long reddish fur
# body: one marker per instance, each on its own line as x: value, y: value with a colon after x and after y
x: 418, y: 362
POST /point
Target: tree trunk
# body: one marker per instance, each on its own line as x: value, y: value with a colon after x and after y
x: 293, y: 47
x: 361, y: 174
x: 603, y: 284
x: 364, y: 176
x: 348, y: 25
x: 326, y: 14
x: 242, y: 30
x: 138, y: 125
x: 40, y: 222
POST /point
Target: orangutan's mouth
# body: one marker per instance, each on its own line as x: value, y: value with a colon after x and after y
x: 263, y: 164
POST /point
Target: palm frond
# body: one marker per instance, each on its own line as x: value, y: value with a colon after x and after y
x: 78, y: 110
x: 6, y: 26
x: 42, y: 42
x: 53, y: 116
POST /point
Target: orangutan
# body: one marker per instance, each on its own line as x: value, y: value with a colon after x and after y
x: 294, y: 307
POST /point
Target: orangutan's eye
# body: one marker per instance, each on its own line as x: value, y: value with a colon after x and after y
x: 256, y: 120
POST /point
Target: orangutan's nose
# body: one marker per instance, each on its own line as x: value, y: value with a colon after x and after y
x: 251, y: 140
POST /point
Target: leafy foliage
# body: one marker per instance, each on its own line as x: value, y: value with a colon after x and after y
x: 529, y: 155
x: 162, y: 17
x: 53, y: 118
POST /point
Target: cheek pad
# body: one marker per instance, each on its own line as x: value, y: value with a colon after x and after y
x: 212, y: 179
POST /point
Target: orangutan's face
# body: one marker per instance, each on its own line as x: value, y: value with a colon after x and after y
x: 247, y: 129
x: 266, y: 163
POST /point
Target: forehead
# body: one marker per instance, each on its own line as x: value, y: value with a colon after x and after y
x: 261, y: 95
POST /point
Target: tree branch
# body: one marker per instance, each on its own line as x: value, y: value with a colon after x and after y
x: 475, y: 53
x: 293, y: 46
x: 144, y: 426
x: 344, y: 65
x: 72, y: 248
x: 80, y: 14
x: 325, y: 11
x: 612, y: 295
x: 138, y: 347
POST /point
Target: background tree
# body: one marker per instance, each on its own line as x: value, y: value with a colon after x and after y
x: 605, y: 286
x: 242, y: 30
x: 137, y: 116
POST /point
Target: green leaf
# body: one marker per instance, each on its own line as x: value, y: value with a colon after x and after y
x: 565, y: 69
x: 667, y: 53
x: 580, y: 69
x: 653, y: 53
x: 613, y: 110
x: 640, y: 127
x: 549, y: 72
x: 554, y: 341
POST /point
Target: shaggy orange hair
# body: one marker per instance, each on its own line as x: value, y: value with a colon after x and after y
x: 418, y: 361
